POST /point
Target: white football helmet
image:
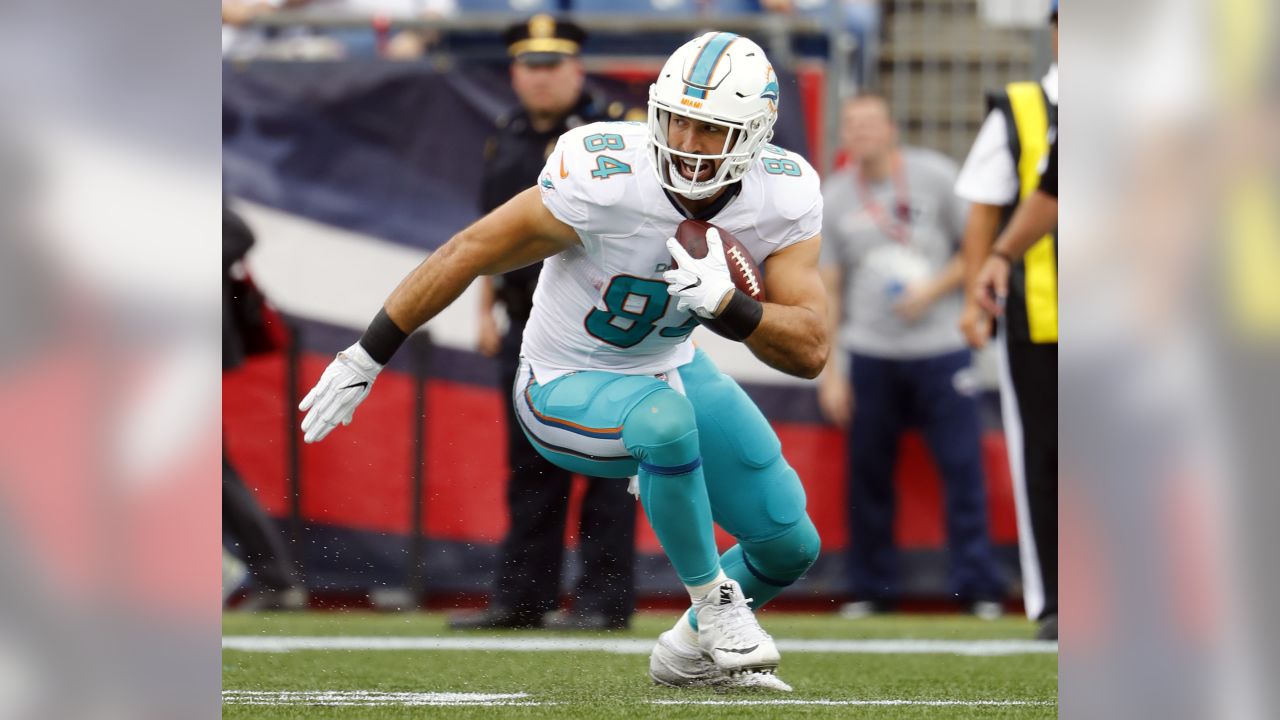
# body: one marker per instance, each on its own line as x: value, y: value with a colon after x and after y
x: 722, y: 78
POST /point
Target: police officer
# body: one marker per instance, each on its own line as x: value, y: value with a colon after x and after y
x: 1003, y: 167
x: 547, y: 76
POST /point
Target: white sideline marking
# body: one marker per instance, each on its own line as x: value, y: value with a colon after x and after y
x: 928, y: 703
x: 369, y: 698
x: 629, y: 646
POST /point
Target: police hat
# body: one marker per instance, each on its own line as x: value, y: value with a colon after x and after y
x: 543, y: 40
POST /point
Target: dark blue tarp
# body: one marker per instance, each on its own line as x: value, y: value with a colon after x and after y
x: 391, y: 150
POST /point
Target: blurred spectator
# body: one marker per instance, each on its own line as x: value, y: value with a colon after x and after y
x: 548, y: 80
x: 239, y: 40
x: 376, y: 39
x: 1003, y: 167
x: 412, y: 44
x: 861, y: 18
x: 890, y: 261
x: 245, y: 332
x: 368, y: 37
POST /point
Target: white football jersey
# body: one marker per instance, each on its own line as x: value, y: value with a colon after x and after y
x: 604, y: 305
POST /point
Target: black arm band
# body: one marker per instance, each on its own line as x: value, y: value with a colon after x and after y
x: 740, y: 316
x: 382, y: 338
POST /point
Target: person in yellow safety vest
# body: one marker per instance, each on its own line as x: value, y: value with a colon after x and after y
x: 1002, y: 169
x: 1035, y: 217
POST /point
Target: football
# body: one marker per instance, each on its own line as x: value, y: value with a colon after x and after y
x: 692, y: 235
x: 743, y: 270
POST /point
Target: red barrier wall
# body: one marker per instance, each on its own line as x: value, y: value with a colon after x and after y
x: 359, y: 476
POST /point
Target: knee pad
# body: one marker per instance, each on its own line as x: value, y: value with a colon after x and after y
x: 662, y: 432
x: 783, y: 559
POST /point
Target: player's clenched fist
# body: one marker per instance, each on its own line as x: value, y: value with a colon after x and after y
x: 701, y: 284
x: 343, y: 386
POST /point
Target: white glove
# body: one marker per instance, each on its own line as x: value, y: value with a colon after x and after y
x: 344, y: 385
x: 701, y: 285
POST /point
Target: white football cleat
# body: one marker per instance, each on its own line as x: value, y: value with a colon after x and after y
x: 754, y: 681
x: 679, y: 662
x: 729, y: 633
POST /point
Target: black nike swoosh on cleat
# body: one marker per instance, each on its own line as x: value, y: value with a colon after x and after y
x: 740, y: 651
x: 688, y: 287
x: 355, y: 385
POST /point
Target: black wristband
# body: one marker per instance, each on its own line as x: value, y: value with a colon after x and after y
x: 382, y: 338
x: 741, y: 316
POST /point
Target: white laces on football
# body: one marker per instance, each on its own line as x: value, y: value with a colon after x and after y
x: 700, y: 284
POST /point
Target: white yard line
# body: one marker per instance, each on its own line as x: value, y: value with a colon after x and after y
x: 928, y: 703
x: 368, y: 698
x: 636, y: 646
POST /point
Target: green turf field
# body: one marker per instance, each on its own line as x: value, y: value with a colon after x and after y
x: 602, y: 675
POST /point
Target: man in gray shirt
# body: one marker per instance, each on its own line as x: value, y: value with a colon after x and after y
x: 890, y: 246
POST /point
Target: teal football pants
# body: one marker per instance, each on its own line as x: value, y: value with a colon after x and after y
x: 704, y: 453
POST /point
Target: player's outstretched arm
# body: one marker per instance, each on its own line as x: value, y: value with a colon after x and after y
x: 518, y: 233
x: 793, y: 333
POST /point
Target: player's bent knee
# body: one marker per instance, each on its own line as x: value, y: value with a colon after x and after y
x: 808, y: 544
x: 661, y: 431
x: 783, y: 559
x: 665, y: 416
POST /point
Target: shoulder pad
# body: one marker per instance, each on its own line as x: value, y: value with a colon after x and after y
x: 591, y: 163
x: 590, y: 171
x: 792, y: 195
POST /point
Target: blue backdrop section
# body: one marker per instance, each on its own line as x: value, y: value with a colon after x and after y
x: 382, y: 149
x: 391, y: 150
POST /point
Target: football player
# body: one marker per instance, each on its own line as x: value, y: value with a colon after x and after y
x: 611, y: 384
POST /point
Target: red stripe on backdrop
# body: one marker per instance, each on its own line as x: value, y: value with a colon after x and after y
x: 466, y: 463
x: 1000, y: 508
x: 359, y: 477
x: 253, y: 429
x: 812, y: 81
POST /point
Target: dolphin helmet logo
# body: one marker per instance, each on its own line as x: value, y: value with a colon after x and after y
x: 770, y: 91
